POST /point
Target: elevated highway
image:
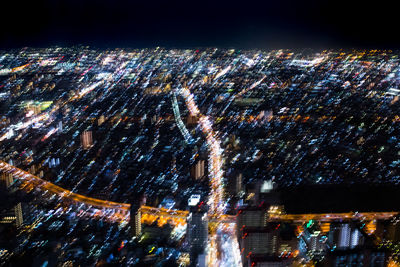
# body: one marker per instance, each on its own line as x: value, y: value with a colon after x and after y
x: 113, y: 210
x: 120, y: 211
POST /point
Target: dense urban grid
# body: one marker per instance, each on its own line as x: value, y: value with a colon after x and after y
x: 175, y: 157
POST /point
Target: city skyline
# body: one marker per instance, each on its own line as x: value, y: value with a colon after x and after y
x: 223, y: 157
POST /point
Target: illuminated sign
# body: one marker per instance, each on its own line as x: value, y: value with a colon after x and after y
x: 194, y: 200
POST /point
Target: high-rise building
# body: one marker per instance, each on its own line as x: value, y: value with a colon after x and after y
x: 238, y: 182
x: 13, y: 215
x: 264, y: 243
x: 259, y: 241
x: 136, y: 219
x: 197, y: 170
x: 197, y: 231
x: 6, y: 179
x: 86, y: 139
x: 312, y: 242
x: 19, y: 220
x: 349, y: 245
x: 136, y: 215
x: 251, y: 217
x: 234, y: 183
x: 345, y: 236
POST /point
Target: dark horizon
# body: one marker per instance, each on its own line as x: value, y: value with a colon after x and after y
x: 242, y: 25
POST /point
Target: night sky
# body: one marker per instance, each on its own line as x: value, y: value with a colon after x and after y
x: 238, y: 24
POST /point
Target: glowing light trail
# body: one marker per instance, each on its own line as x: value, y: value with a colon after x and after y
x: 229, y: 247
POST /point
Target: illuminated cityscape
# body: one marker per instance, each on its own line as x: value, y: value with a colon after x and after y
x: 199, y: 157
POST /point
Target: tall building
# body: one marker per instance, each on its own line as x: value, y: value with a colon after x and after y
x: 258, y: 241
x: 197, y: 231
x: 197, y: 170
x: 238, y: 183
x: 349, y: 245
x: 136, y: 214
x: 86, y: 139
x: 6, y: 179
x: 234, y: 183
x: 136, y: 219
x: 264, y: 243
x: 19, y: 220
x: 13, y: 215
x: 312, y: 242
x: 250, y: 217
x: 345, y: 236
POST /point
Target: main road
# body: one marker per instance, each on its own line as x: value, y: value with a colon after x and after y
x: 223, y: 248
